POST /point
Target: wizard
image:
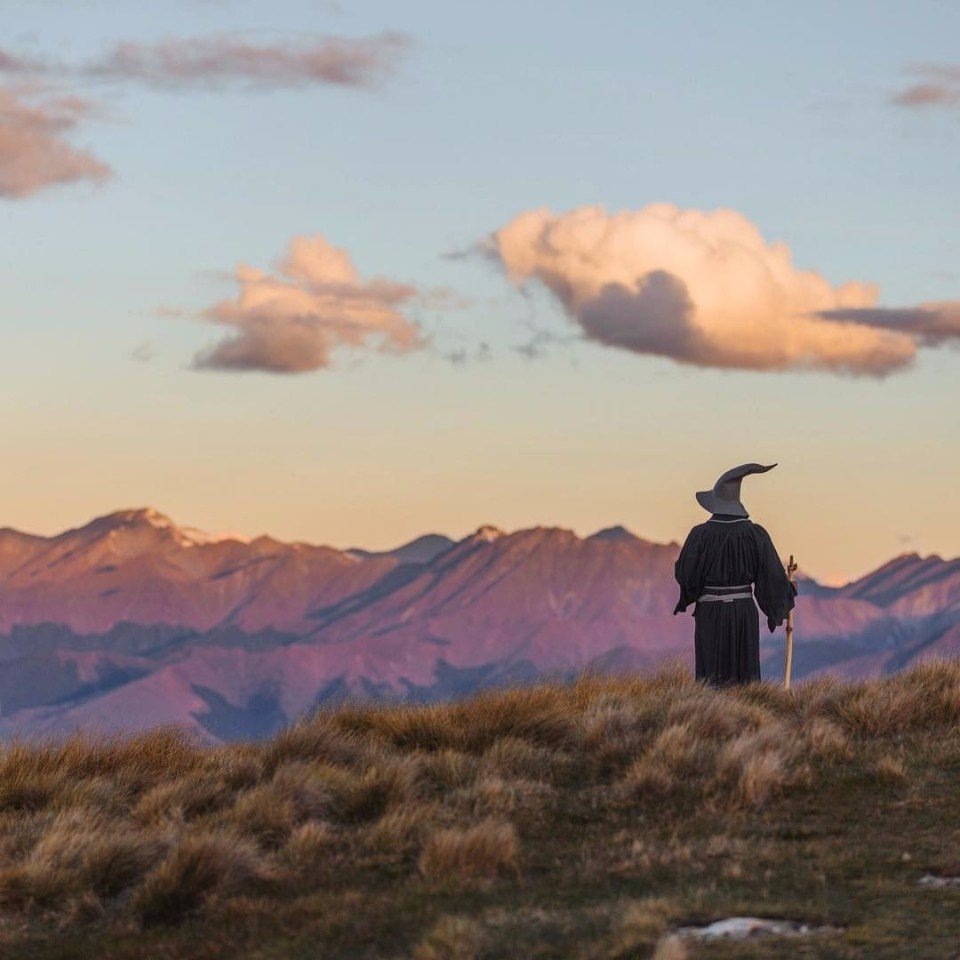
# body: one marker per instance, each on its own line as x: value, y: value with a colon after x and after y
x: 724, y: 566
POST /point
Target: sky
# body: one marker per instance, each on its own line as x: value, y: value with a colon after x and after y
x: 353, y: 272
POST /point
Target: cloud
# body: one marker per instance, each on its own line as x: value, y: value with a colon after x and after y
x: 462, y: 356
x: 664, y: 303
x: 705, y: 288
x: 291, y: 321
x: 940, y: 87
x: 143, y: 352
x: 13, y: 63
x: 224, y: 60
x: 931, y: 323
x: 34, y: 152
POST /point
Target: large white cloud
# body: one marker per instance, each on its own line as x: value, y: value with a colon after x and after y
x: 706, y: 288
x: 292, y: 320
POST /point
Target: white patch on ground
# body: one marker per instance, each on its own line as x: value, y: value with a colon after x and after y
x: 929, y: 880
x: 747, y: 928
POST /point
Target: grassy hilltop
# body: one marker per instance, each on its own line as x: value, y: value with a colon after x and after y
x: 583, y: 821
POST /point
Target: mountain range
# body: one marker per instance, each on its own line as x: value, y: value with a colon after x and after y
x: 132, y: 621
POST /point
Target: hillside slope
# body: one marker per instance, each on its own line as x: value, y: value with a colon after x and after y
x: 595, y: 820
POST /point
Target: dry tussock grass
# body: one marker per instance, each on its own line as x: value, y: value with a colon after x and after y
x: 497, y: 795
x: 307, y: 848
x: 310, y: 788
x: 264, y: 814
x: 200, y: 865
x: 639, y: 923
x: 889, y: 768
x: 485, y: 851
x: 447, y: 769
x: 451, y: 938
x: 926, y: 696
x: 512, y: 757
x: 152, y: 827
x: 317, y: 741
x: 670, y: 947
x: 77, y: 856
x: 181, y: 800
x: 402, y: 830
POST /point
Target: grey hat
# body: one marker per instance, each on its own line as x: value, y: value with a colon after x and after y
x: 725, y: 495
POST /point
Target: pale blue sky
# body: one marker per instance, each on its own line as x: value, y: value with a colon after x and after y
x: 779, y: 111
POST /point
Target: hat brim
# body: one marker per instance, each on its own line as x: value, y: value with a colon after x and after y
x: 714, y: 504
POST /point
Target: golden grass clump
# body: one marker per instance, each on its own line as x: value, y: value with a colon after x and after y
x: 534, y: 714
x: 711, y: 717
x: 80, y: 854
x: 889, y: 768
x: 33, y: 775
x: 639, y: 923
x: 760, y: 777
x: 26, y: 789
x: 822, y: 739
x: 926, y: 696
x: 451, y: 938
x: 768, y: 696
x: 367, y: 795
x: 238, y: 766
x: 264, y: 814
x: 486, y: 850
x: 616, y: 731
x: 309, y: 787
x: 447, y: 769
x: 670, y: 947
x: 183, y: 799
x: 747, y: 769
x: 498, y: 795
x: 757, y: 765
x: 200, y: 865
x: 320, y: 740
x: 401, y: 830
x: 513, y: 757
x: 677, y: 757
x: 429, y: 727
x: 109, y: 793
x: 308, y: 847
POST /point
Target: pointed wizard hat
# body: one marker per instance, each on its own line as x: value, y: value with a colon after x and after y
x: 725, y: 495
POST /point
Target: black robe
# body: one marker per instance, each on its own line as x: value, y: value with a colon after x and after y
x: 726, y: 552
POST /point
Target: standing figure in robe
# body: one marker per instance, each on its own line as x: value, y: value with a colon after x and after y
x: 718, y: 565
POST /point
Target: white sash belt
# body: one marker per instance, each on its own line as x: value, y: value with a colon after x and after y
x: 727, y: 597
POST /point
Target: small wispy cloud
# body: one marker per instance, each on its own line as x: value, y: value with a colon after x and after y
x: 462, y: 356
x: 938, y: 85
x: 931, y: 323
x: 143, y: 352
x: 35, y: 151
x: 17, y: 64
x: 223, y: 61
x: 35, y: 123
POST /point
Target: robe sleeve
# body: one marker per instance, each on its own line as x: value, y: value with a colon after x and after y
x: 773, y: 590
x: 687, y: 571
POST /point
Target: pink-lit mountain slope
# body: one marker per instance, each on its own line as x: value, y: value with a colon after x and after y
x: 131, y: 621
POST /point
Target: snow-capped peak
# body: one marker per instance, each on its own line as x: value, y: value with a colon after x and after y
x: 185, y: 536
x: 487, y: 534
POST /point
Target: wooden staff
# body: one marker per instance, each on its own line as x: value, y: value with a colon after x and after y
x: 791, y: 569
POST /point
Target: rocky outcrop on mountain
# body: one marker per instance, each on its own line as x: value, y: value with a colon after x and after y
x: 131, y: 620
